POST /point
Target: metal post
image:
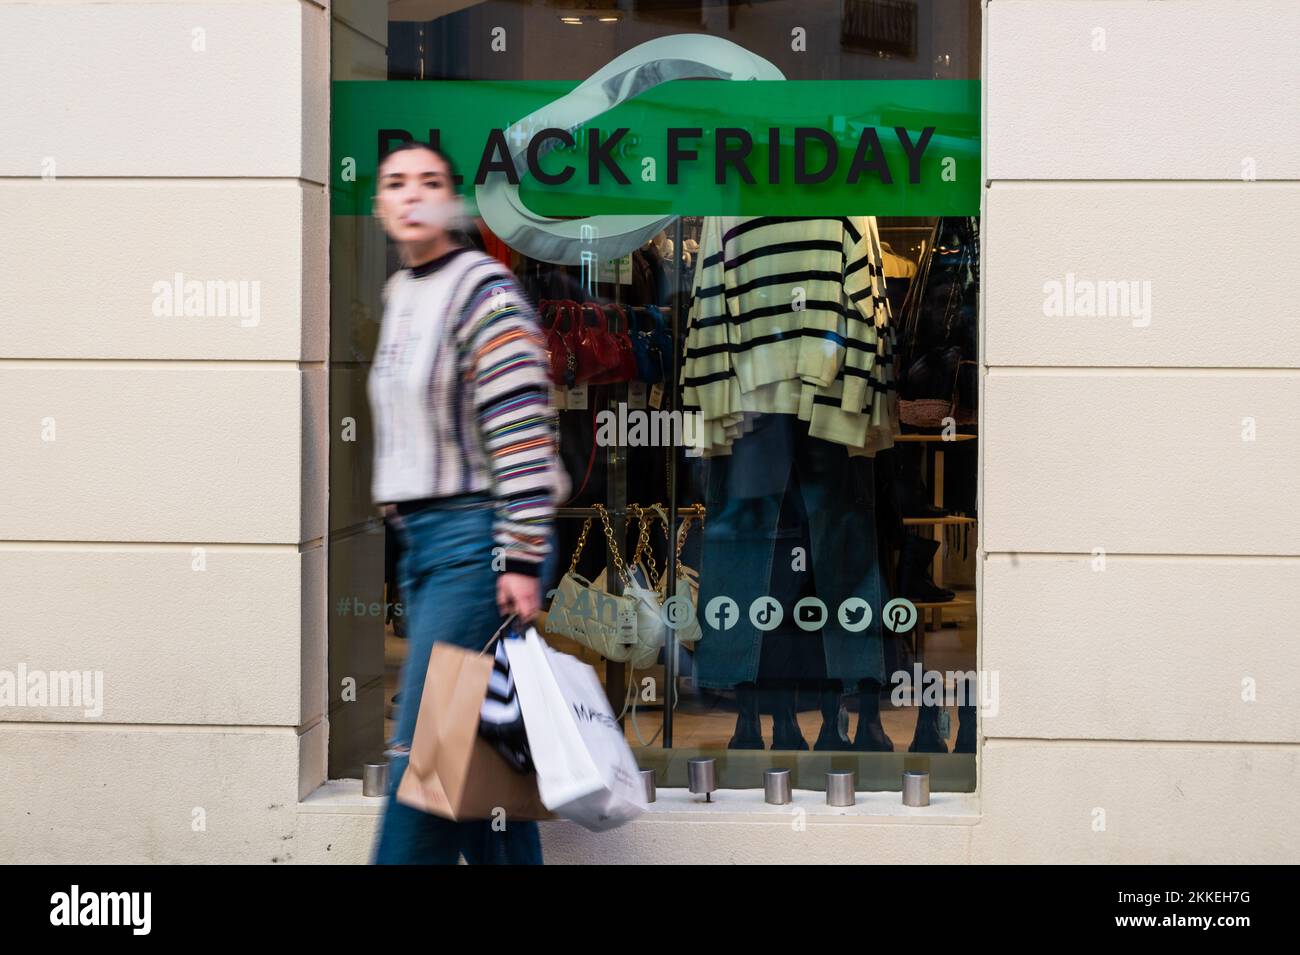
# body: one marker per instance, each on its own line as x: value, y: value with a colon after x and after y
x: 670, y: 398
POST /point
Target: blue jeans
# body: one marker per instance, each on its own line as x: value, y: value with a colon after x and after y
x: 446, y: 578
x: 748, y: 543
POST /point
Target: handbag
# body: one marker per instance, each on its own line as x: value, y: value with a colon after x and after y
x: 664, y: 335
x: 590, y: 614
x: 627, y: 366
x: 928, y: 376
x: 688, y: 579
x: 597, y: 351
x: 639, y: 584
x: 560, y: 344
x: 647, y: 345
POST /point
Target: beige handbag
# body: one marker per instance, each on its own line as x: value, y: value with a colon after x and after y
x: 588, y: 613
x: 638, y: 583
x: 688, y: 579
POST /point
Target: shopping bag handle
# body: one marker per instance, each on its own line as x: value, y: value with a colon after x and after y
x: 493, y: 639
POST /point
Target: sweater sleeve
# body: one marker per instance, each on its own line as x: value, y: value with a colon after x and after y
x: 517, y: 422
x: 706, y: 371
x: 866, y: 313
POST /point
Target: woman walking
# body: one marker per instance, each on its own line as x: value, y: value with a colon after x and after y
x: 466, y: 469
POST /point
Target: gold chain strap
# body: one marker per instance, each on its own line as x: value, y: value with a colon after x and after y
x: 619, y: 566
x: 582, y: 542
x: 694, y: 512
x: 645, y: 517
x: 643, y: 549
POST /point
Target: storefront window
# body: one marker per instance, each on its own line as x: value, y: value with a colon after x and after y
x: 766, y: 371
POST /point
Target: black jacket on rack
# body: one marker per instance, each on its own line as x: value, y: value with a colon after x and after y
x: 937, y: 341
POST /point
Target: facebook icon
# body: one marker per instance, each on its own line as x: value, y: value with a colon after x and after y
x: 722, y: 613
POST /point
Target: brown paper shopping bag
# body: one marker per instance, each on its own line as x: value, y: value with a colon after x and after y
x: 453, y: 772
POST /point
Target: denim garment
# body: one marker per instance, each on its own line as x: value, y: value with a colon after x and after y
x: 446, y: 578
x: 744, y: 540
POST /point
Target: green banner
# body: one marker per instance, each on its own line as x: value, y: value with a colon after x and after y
x: 686, y: 147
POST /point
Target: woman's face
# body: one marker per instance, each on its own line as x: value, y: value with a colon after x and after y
x: 416, y: 200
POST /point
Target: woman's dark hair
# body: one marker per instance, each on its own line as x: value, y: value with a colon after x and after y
x: 407, y: 145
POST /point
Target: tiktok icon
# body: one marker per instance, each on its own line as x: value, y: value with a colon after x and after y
x: 765, y: 614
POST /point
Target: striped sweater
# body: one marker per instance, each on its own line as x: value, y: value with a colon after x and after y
x: 462, y: 402
x: 790, y: 316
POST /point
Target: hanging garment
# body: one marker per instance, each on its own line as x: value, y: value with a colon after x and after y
x: 938, y: 367
x: 748, y: 551
x: 897, y: 266
x: 899, y: 272
x: 790, y: 316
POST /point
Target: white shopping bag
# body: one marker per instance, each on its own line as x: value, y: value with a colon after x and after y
x: 585, y: 769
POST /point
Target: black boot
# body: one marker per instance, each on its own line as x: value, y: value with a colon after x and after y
x: 870, y: 737
x: 966, y: 700
x: 965, y: 741
x: 786, y: 734
x: 927, y: 738
x: 914, y: 580
x: 829, y: 737
x: 914, y: 498
x: 749, y: 732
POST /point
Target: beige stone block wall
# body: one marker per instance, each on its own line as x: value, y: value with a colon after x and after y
x: 163, y: 513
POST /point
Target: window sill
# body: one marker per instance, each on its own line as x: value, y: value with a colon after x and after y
x: 343, y: 797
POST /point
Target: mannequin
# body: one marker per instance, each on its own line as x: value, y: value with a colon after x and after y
x: 787, y: 328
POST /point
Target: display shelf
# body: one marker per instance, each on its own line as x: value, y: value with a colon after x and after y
x: 937, y: 438
x: 964, y: 600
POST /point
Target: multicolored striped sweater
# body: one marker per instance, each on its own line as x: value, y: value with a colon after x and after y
x: 462, y: 401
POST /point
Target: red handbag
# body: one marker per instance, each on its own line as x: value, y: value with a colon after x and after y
x: 597, y: 351
x: 561, y: 342
x: 627, y: 369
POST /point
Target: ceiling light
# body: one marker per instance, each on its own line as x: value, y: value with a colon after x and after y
x: 590, y: 14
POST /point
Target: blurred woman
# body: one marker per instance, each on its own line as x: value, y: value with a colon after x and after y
x: 466, y: 469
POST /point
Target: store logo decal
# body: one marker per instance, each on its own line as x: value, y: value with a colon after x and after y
x: 568, y: 241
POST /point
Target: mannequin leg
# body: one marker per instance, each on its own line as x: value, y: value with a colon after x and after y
x: 927, y: 738
x: 786, y: 734
x: 749, y: 732
x: 966, y: 701
x: 870, y: 737
x: 830, y: 737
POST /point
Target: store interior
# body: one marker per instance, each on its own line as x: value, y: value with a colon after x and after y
x: 862, y: 487
x: 924, y: 485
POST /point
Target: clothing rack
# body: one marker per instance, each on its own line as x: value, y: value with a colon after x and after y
x: 583, y: 512
x: 616, y: 503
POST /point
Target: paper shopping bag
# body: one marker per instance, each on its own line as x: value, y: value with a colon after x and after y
x: 585, y: 770
x: 453, y: 772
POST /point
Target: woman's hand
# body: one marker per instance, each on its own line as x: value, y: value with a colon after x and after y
x: 519, y: 594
